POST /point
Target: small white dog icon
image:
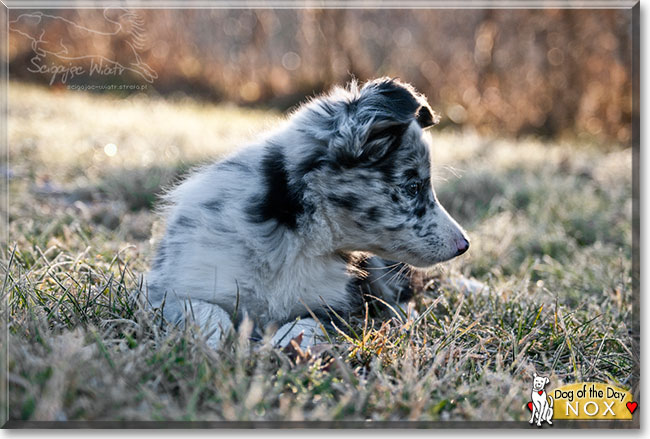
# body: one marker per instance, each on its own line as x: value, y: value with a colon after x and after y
x: 542, y: 403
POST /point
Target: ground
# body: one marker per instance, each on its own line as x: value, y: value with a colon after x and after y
x: 551, y: 231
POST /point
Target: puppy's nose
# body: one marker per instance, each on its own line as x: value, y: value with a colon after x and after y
x: 462, y: 245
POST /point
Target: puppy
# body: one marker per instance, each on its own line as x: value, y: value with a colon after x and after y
x: 307, y: 220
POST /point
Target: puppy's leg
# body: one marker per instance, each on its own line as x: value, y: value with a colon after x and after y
x: 310, y: 329
x: 392, y: 282
x: 210, y: 318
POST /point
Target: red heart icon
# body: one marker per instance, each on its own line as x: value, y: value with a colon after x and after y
x: 631, y: 406
x: 540, y: 392
x: 530, y: 406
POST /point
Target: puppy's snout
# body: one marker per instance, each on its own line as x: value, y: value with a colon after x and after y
x: 462, y: 244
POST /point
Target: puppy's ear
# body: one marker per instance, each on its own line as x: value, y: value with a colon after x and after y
x: 367, y: 124
x: 534, y: 374
x: 396, y: 101
x: 426, y: 117
x: 546, y: 380
x: 384, y: 109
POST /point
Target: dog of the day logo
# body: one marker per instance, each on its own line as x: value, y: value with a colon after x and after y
x: 541, y: 404
x: 583, y: 401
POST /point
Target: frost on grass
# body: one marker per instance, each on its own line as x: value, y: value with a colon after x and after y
x: 551, y: 243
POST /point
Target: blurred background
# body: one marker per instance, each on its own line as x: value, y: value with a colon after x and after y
x: 549, y: 73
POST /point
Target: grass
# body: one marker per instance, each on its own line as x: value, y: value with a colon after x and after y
x: 551, y: 241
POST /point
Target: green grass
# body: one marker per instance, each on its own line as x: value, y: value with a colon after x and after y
x: 551, y: 239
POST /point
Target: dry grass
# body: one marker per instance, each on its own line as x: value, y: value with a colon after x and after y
x: 551, y: 231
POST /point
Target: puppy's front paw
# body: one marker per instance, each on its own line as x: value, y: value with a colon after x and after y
x: 306, y: 329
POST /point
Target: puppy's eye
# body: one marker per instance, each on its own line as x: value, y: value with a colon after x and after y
x: 413, y: 188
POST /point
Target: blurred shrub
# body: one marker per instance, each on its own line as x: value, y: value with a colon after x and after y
x: 511, y: 72
x: 140, y: 189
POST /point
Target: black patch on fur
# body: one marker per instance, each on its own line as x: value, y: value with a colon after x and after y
x: 373, y: 214
x: 425, y: 117
x: 406, y: 103
x: 411, y: 174
x: 397, y: 277
x: 160, y: 256
x: 214, y: 205
x: 349, y: 201
x: 402, y: 101
x: 423, y: 199
x: 420, y: 210
x: 356, y: 293
x: 396, y: 228
x: 356, y: 265
x: 280, y: 202
x: 400, y: 281
x: 343, y: 160
x: 185, y: 222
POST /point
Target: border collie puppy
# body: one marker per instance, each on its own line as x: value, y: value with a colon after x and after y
x: 307, y: 220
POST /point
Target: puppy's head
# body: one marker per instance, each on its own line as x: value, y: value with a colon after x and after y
x: 374, y: 175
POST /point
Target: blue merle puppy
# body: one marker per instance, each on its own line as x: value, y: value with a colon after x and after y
x: 307, y: 220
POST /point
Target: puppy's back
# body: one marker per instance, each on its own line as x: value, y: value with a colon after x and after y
x: 199, y: 256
